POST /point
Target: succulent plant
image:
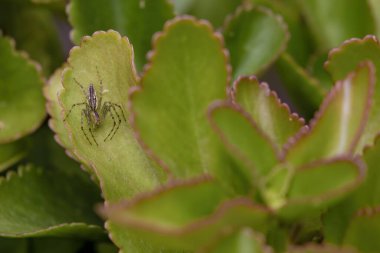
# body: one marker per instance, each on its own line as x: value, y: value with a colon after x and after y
x: 163, y: 134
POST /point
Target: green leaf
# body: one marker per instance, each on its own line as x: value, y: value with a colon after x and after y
x: 214, y: 11
x: 35, y: 31
x: 244, y: 35
x: 338, y: 218
x: 54, y: 109
x: 343, y: 60
x: 299, y: 46
x: 22, y: 104
x: 316, y: 69
x: 137, y: 19
x: 36, y: 202
x: 186, y: 215
x: 271, y: 115
x: 51, y: 91
x: 374, y: 7
x: 368, y: 193
x: 169, y: 108
x: 321, y: 184
x: 12, y: 152
x: 336, y: 128
x: 120, y: 165
x: 304, y: 90
x: 363, y: 231
x: 245, y: 139
x: 332, y: 22
x: 243, y: 241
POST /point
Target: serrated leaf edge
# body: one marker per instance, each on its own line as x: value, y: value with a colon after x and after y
x: 308, y: 130
x: 233, y: 106
x: 150, y: 56
x: 248, y: 7
x: 35, y: 65
x: 108, y: 210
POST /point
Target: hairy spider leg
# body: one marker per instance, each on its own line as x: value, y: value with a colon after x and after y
x: 84, y: 115
x: 105, y: 110
x: 72, y: 107
x: 112, y: 107
x: 81, y: 87
x: 101, y: 89
x: 118, y: 106
x: 118, y: 121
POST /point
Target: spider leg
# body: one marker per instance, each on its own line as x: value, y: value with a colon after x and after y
x: 118, y: 106
x: 111, y: 106
x: 92, y: 135
x: 84, y: 115
x: 81, y: 87
x: 72, y: 107
x: 101, y: 88
x: 106, y: 109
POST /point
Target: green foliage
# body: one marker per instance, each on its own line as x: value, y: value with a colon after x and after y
x: 167, y: 134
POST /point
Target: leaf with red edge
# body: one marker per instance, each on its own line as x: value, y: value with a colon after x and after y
x: 245, y: 139
x: 318, y: 185
x: 188, y: 70
x: 343, y: 60
x: 266, y: 109
x: 186, y: 215
x: 244, y: 35
x: 338, y: 125
x: 338, y: 218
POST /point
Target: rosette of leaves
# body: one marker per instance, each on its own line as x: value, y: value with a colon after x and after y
x: 200, y: 164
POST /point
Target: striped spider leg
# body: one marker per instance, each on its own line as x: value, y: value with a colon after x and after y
x: 95, y: 112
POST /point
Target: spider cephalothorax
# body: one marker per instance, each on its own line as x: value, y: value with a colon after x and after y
x: 95, y: 112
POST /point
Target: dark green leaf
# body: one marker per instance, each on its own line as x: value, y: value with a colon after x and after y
x: 253, y: 48
x: 22, y: 103
x: 332, y: 22
x: 37, y: 202
x: 137, y: 19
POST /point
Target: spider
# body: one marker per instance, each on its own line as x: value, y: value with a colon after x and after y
x: 95, y: 112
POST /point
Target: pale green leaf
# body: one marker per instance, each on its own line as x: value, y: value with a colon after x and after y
x: 188, y: 70
x: 266, y: 109
x: 343, y: 60
x: 317, y: 186
x: 119, y: 163
x: 186, y: 215
x: 338, y: 125
x: 245, y: 139
x: 243, y: 241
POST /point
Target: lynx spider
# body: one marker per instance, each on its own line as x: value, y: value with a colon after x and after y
x: 95, y: 111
